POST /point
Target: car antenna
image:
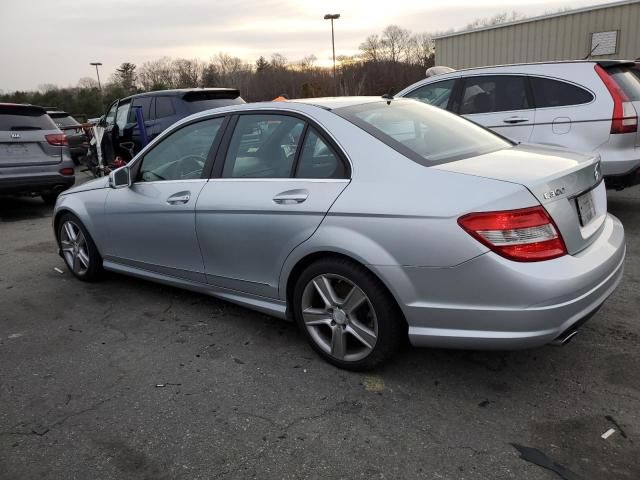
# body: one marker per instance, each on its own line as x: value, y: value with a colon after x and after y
x: 388, y: 96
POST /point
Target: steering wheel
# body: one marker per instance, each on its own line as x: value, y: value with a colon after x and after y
x: 189, y: 166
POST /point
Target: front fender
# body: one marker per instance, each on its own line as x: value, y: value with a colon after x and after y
x: 88, y: 206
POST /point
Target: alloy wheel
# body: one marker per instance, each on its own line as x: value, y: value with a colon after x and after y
x: 339, y: 317
x: 74, y: 248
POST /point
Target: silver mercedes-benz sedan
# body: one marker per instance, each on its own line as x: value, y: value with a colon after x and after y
x: 362, y: 219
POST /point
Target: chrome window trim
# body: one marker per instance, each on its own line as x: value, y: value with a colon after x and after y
x: 187, y: 180
x: 283, y: 179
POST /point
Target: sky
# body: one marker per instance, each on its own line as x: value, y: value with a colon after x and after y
x: 53, y: 41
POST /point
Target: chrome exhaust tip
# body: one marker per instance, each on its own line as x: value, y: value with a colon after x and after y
x: 565, y: 338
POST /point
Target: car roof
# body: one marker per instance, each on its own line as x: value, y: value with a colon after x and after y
x: 24, y: 106
x: 179, y: 92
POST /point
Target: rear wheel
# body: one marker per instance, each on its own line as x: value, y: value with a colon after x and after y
x: 347, y: 314
x: 78, y: 250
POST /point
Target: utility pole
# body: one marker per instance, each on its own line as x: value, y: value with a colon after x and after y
x: 97, y: 64
x: 332, y: 17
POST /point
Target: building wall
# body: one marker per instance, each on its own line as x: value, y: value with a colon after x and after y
x: 565, y: 37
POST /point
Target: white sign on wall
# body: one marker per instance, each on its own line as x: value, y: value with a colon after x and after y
x: 604, y: 43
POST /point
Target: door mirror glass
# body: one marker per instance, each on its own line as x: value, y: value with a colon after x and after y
x: 120, y: 178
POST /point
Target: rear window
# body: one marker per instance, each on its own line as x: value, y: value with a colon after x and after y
x: 425, y: 134
x: 552, y: 93
x: 627, y: 81
x: 63, y: 120
x: 24, y: 118
x: 200, y: 100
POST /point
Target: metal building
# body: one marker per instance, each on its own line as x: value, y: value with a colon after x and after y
x: 610, y: 30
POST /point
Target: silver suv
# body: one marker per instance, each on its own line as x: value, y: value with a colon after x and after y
x: 34, y: 153
x: 584, y: 106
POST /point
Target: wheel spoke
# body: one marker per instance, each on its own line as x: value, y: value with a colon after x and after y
x: 338, y: 342
x: 363, y: 334
x: 76, y: 263
x: 325, y: 290
x: 80, y: 238
x: 316, y: 316
x: 84, y: 258
x: 353, y: 300
x: 66, y: 246
x: 68, y: 229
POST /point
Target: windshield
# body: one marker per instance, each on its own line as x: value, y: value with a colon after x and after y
x: 425, y: 134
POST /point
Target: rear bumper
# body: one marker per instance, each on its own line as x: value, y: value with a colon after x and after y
x: 624, y: 180
x: 36, y: 184
x: 493, y: 303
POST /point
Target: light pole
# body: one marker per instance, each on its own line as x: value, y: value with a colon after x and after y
x: 97, y: 64
x: 332, y: 17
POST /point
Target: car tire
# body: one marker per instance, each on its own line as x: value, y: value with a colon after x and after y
x: 78, y: 249
x: 360, y: 326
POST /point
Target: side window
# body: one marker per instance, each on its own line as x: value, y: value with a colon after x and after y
x: 110, y: 118
x: 263, y: 146
x: 552, y: 93
x: 145, y: 103
x: 122, y: 115
x: 486, y: 94
x: 436, y: 94
x: 318, y: 159
x: 182, y: 155
x: 164, y: 107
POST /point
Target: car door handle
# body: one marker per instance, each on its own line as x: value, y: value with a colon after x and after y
x: 515, y: 120
x: 179, y: 198
x: 291, y: 197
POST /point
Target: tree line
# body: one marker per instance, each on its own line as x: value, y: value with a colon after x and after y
x: 385, y: 62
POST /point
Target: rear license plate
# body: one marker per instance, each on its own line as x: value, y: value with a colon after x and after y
x: 13, y: 150
x: 586, y: 208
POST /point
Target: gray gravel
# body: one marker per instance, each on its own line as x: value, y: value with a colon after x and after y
x: 128, y: 379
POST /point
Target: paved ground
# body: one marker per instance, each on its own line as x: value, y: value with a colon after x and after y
x: 242, y: 396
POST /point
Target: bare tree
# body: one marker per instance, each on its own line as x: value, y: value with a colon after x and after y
x: 371, y: 48
x: 187, y: 72
x: 394, y: 42
x: 157, y: 75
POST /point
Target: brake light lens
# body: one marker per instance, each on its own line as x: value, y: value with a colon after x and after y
x: 625, y: 117
x: 57, y: 139
x: 523, y: 235
x: 66, y: 171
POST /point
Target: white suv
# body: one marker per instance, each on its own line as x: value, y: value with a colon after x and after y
x: 588, y: 106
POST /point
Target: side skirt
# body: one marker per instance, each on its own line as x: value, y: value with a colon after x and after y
x: 268, y: 306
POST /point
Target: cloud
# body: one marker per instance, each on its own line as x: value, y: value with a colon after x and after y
x: 51, y: 41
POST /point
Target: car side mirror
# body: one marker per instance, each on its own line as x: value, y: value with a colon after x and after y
x: 120, y: 178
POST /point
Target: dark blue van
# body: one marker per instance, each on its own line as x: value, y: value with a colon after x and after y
x: 160, y: 109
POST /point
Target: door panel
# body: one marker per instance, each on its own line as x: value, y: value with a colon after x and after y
x: 148, y: 228
x: 152, y: 223
x: 501, y: 103
x: 248, y: 227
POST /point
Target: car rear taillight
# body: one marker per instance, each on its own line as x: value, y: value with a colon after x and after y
x: 523, y: 235
x: 57, y: 139
x: 625, y: 117
x: 66, y: 171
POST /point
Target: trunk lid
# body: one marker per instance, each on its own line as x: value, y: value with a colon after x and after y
x: 569, y: 185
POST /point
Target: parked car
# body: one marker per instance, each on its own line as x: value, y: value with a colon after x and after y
x: 588, y: 106
x: 160, y: 109
x: 78, y: 140
x: 34, y: 155
x: 364, y: 220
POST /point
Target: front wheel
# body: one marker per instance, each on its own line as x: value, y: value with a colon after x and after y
x: 347, y: 314
x: 78, y: 250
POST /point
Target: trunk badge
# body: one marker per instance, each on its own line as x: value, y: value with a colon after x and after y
x: 554, y: 193
x: 15, y: 135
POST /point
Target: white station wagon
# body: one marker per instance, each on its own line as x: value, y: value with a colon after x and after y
x: 584, y: 106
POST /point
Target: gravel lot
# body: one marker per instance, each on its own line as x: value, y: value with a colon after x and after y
x: 128, y: 379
